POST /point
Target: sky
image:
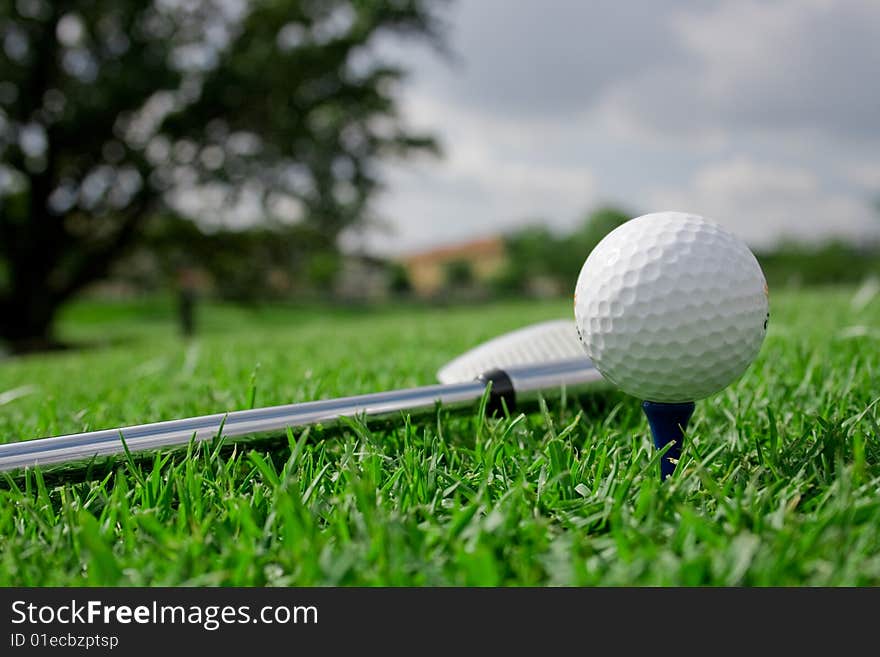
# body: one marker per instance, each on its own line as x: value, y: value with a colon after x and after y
x: 762, y: 115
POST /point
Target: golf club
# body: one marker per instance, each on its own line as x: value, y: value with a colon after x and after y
x: 540, y: 358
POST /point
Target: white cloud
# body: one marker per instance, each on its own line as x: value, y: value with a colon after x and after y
x: 490, y: 180
x: 533, y: 59
x: 866, y: 175
x: 763, y: 114
x: 764, y: 203
x: 761, y: 66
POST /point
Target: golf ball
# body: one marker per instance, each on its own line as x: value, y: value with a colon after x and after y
x: 671, y: 307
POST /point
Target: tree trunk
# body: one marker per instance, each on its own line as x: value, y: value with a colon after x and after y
x: 27, y: 319
x: 37, y: 291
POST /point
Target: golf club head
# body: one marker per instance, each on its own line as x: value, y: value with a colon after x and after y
x: 546, y: 342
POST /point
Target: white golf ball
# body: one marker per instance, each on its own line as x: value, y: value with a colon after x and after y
x: 671, y: 307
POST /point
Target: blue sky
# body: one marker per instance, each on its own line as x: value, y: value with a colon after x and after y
x: 764, y: 116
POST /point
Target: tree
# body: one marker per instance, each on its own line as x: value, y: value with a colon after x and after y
x: 598, y: 224
x: 531, y: 251
x: 399, y: 282
x: 535, y: 252
x: 458, y: 275
x: 584, y: 239
x: 113, y: 111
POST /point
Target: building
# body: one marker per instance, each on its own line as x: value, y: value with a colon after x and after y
x: 428, y: 271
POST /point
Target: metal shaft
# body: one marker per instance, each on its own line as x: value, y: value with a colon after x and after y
x: 526, y: 381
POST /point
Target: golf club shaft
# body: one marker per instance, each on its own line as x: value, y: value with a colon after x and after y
x: 513, y: 384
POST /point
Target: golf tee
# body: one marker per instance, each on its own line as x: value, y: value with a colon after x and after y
x: 668, y: 423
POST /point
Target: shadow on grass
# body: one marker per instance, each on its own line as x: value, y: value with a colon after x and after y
x: 41, y: 347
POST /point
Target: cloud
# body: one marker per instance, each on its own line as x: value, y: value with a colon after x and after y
x: 865, y: 175
x: 763, y: 114
x: 533, y: 59
x: 763, y: 66
x: 764, y: 203
x: 491, y: 179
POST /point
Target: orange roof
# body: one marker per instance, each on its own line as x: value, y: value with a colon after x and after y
x: 489, y: 246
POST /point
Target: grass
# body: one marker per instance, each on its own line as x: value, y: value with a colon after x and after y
x: 778, y: 484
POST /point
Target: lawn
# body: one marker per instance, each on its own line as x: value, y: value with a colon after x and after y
x: 779, y: 483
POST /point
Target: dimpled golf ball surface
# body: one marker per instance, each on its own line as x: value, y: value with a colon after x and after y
x: 671, y: 307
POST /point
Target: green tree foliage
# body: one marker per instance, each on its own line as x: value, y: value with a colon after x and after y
x: 835, y: 262
x: 399, y: 282
x: 459, y: 275
x: 537, y: 253
x: 243, y: 266
x: 598, y: 224
x: 110, y: 110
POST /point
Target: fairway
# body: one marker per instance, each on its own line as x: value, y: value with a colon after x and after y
x: 778, y: 484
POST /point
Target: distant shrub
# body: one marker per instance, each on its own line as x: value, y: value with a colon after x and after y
x: 831, y: 263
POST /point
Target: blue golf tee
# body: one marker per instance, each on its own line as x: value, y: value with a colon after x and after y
x: 668, y: 423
